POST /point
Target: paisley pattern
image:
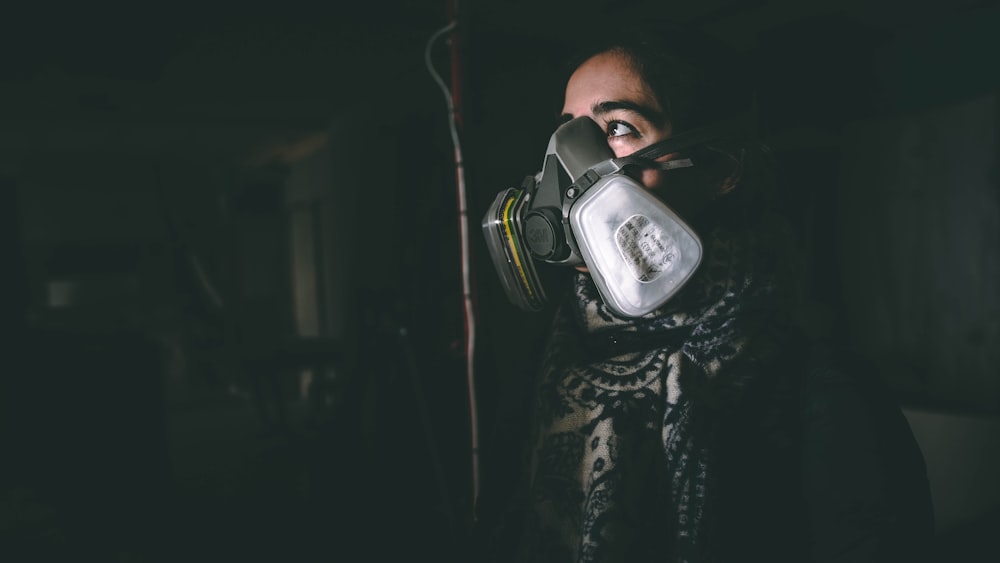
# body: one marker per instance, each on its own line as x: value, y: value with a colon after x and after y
x: 620, y: 469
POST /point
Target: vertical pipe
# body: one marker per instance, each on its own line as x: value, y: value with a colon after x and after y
x: 470, y: 334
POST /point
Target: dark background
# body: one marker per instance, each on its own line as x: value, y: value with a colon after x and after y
x: 231, y: 261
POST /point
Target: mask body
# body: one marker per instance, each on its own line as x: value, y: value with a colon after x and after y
x: 582, y: 208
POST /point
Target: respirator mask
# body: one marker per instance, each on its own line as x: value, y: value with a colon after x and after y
x: 583, y: 208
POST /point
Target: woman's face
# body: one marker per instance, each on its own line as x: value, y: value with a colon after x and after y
x: 608, y: 90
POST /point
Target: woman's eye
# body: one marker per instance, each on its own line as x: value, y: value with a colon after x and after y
x: 620, y: 129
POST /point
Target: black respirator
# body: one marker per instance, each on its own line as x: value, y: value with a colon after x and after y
x: 584, y: 208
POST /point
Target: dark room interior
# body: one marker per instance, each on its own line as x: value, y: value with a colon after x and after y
x: 233, y: 276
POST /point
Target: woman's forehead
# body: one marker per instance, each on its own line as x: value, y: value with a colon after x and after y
x: 606, y: 77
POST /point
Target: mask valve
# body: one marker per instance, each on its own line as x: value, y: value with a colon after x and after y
x: 543, y: 230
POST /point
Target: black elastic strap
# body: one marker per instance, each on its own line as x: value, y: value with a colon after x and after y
x: 683, y: 141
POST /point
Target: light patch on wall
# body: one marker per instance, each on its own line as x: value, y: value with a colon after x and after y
x: 287, y: 150
x: 94, y: 290
x: 61, y: 293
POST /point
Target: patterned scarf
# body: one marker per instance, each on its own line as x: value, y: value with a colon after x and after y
x: 622, y: 461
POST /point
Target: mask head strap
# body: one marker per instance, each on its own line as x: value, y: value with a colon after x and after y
x: 646, y: 156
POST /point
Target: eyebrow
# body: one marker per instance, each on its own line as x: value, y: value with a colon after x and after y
x: 601, y: 108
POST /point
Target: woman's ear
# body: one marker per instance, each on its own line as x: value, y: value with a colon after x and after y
x: 728, y: 184
x: 733, y: 176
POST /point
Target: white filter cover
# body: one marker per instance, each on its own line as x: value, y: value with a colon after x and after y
x: 638, y: 251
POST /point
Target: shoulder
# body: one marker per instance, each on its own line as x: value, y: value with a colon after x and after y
x: 863, y: 476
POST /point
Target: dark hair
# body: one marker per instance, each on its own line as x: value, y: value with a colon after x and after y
x: 697, y: 80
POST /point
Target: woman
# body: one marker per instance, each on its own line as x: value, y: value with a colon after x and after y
x: 715, y: 436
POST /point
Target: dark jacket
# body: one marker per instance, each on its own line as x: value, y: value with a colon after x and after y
x: 835, y: 476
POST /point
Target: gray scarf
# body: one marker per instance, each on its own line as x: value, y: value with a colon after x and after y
x: 622, y: 457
